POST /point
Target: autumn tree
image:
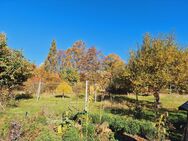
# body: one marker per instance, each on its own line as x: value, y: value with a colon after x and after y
x: 136, y: 64
x: 14, y: 68
x: 90, y: 65
x: 117, y: 76
x: 136, y: 75
x: 145, y: 70
x: 79, y: 88
x: 178, y: 69
x: 70, y: 62
x: 76, y: 53
x: 113, y: 64
x: 70, y: 75
x: 49, y: 80
x: 64, y: 88
x: 79, y: 60
x: 50, y: 63
x: 71, y: 58
x: 152, y: 65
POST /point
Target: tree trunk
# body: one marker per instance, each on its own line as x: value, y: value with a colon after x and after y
x: 136, y: 94
x: 137, y: 97
x: 101, y: 107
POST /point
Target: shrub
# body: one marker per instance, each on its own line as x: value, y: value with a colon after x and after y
x: 118, y: 125
x: 89, y: 129
x: 95, y: 118
x: 147, y: 129
x: 47, y: 135
x: 132, y: 127
x: 71, y: 135
x: 128, y: 125
x: 6, y: 99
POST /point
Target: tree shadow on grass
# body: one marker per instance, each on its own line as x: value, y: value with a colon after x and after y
x: 23, y: 96
x: 130, y: 102
x: 60, y: 96
x: 144, y: 114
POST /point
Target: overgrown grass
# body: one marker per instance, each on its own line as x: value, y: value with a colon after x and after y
x: 120, y: 106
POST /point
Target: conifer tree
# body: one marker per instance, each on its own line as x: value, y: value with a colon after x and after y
x: 51, y: 61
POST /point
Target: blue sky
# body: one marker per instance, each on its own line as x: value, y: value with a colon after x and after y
x: 113, y: 26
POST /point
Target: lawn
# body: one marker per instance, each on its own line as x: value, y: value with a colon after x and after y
x: 51, y: 104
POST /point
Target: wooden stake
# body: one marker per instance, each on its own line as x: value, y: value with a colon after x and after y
x: 86, y: 96
x: 39, y: 89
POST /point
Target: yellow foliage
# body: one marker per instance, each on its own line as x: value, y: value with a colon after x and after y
x: 64, y: 87
x: 91, y: 98
x: 92, y: 89
x: 59, y: 129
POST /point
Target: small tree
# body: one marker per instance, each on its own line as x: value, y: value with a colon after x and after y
x: 63, y: 88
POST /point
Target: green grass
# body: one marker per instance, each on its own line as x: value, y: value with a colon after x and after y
x: 48, y: 109
x: 122, y: 106
x: 49, y: 104
x: 58, y: 105
x: 168, y: 101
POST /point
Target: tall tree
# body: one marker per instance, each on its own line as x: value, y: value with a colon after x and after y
x: 71, y: 62
x: 113, y: 64
x: 51, y: 61
x: 14, y: 68
x: 136, y: 66
x: 73, y: 56
x: 117, y: 78
x: 90, y: 65
x: 178, y: 69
